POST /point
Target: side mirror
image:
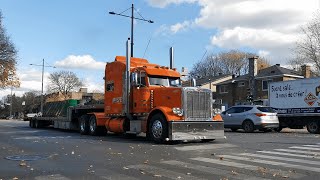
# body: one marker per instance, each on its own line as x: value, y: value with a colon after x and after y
x: 193, y: 82
x: 223, y: 113
x: 134, y: 79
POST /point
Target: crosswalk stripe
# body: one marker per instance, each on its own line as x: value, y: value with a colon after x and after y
x: 309, y: 148
x: 211, y: 170
x: 297, y: 151
x: 282, y: 158
x: 52, y: 177
x: 159, y: 172
x: 204, y: 147
x: 318, y: 146
x: 275, y: 163
x: 249, y: 167
x: 289, y: 154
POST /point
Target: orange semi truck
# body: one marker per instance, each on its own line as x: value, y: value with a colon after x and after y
x: 141, y: 97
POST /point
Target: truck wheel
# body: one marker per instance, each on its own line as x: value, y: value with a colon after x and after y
x: 158, y: 128
x: 95, y: 130
x: 313, y: 127
x: 84, y: 125
x: 248, y: 126
x: 37, y: 124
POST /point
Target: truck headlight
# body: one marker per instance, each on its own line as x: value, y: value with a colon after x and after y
x: 177, y: 111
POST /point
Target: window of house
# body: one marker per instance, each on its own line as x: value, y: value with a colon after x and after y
x: 240, y: 84
x: 265, y: 84
x: 224, y: 89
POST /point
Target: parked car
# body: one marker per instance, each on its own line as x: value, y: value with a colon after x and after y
x: 250, y: 118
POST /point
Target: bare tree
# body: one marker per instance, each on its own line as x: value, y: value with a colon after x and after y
x: 307, y: 49
x: 232, y: 62
x: 8, y: 56
x: 63, y: 82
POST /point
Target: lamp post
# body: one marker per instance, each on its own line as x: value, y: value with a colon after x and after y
x: 132, y: 18
x: 41, y: 100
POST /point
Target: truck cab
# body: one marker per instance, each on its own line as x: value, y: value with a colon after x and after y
x: 158, y: 105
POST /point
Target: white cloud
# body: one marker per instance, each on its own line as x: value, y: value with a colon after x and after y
x: 80, y: 62
x: 268, y: 26
x: 179, y: 27
x: 164, y: 3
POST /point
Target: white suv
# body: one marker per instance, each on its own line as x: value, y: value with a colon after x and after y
x: 250, y: 117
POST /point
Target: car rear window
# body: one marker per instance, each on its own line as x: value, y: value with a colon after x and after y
x: 265, y: 109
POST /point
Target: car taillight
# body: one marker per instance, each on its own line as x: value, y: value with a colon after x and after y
x: 260, y: 114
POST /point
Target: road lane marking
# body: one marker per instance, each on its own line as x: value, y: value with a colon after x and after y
x: 159, y: 172
x: 289, y: 154
x: 282, y: 158
x: 250, y: 167
x: 204, y: 147
x: 297, y: 151
x: 275, y: 163
x: 308, y: 148
x: 211, y: 170
x: 317, y: 146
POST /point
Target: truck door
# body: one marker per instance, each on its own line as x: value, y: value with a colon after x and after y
x: 140, y: 95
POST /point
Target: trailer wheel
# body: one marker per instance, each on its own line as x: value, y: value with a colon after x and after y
x: 313, y: 127
x: 84, y: 124
x: 158, y: 128
x: 248, y: 126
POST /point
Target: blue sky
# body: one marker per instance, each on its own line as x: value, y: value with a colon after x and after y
x: 80, y: 35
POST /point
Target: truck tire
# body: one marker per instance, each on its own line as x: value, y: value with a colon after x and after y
x: 95, y: 130
x: 84, y: 124
x: 248, y: 126
x: 37, y: 124
x: 313, y: 127
x: 158, y: 128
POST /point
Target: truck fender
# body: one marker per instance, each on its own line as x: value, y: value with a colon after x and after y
x: 167, y: 112
x: 100, y: 118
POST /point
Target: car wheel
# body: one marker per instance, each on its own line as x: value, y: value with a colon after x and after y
x: 248, y: 126
x: 234, y: 129
x: 313, y: 127
x: 84, y: 125
x: 158, y: 128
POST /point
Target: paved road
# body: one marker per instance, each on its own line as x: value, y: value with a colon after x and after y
x: 63, y: 155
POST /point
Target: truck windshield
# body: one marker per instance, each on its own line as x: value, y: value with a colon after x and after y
x: 164, y: 81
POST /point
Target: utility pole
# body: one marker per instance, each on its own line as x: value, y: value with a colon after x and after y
x: 132, y: 19
x: 41, y: 98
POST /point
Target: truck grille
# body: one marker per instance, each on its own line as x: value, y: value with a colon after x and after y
x: 197, y: 104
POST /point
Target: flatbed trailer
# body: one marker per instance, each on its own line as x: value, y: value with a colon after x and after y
x: 69, y: 120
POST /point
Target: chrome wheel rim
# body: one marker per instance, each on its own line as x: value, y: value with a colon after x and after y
x: 82, y: 125
x: 92, y: 125
x: 157, y: 129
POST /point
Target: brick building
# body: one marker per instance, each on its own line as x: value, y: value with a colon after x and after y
x: 254, y: 85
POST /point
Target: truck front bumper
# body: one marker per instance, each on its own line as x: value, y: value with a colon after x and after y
x: 193, y: 130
